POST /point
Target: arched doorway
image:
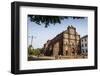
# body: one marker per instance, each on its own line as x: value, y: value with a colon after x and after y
x: 66, y: 52
x: 73, y: 51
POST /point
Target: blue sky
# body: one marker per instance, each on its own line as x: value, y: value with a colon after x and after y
x: 41, y: 34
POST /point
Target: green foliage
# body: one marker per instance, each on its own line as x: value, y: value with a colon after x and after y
x: 47, y: 20
x: 30, y: 51
x: 35, y: 52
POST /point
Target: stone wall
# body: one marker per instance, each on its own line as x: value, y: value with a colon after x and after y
x: 65, y: 43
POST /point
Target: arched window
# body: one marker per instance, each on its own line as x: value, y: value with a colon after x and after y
x: 72, y: 44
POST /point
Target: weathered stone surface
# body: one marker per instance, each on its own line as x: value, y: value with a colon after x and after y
x: 66, y: 43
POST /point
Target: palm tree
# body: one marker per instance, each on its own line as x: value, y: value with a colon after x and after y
x: 47, y: 20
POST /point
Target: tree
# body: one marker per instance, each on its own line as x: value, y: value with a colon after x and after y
x: 36, y: 52
x: 30, y: 50
x: 47, y: 20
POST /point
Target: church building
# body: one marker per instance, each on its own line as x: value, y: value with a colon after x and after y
x: 67, y: 43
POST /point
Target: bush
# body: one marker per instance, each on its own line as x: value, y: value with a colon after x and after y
x: 35, y: 52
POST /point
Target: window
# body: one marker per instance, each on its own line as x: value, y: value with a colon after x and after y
x: 72, y: 44
x: 82, y: 45
x: 85, y: 45
x: 66, y: 43
x: 85, y: 40
x: 86, y: 50
x: 82, y: 40
x: 83, y: 50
